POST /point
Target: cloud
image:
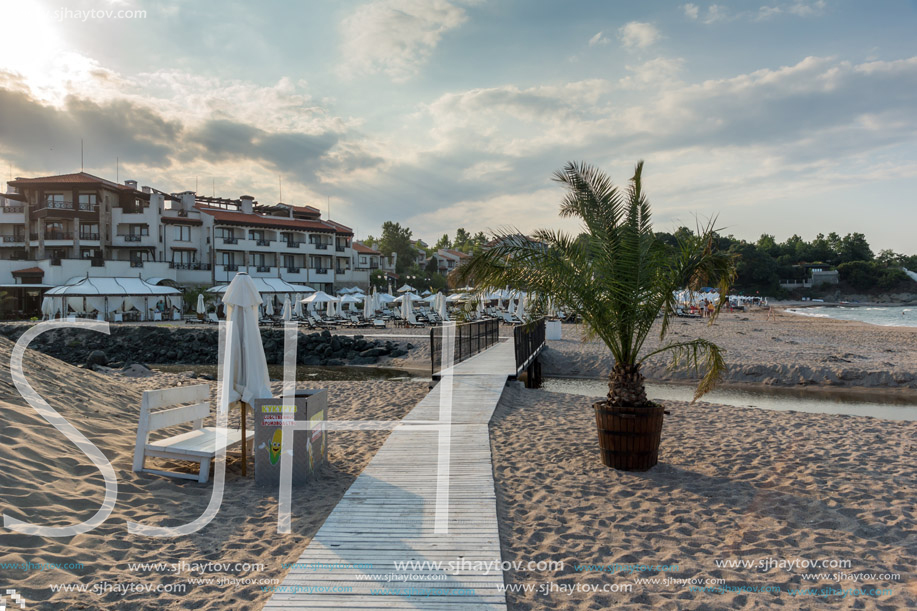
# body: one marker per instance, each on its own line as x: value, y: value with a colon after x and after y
x: 396, y: 37
x: 638, y: 35
x: 716, y: 13
x: 655, y: 72
x: 598, y: 39
x: 807, y: 9
x: 690, y: 10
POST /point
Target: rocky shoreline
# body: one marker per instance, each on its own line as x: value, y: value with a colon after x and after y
x: 198, y: 346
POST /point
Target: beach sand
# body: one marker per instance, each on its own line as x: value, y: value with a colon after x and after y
x: 791, y: 350
x: 732, y: 484
x: 46, y: 480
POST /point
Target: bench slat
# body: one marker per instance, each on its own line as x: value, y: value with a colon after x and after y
x: 178, y: 415
x: 167, y: 397
x: 198, y: 443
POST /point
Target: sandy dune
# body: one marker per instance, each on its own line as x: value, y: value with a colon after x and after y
x: 45, y: 479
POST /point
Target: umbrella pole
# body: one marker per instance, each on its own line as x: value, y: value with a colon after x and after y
x: 244, y: 441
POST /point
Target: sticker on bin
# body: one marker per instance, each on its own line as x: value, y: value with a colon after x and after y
x: 278, y: 415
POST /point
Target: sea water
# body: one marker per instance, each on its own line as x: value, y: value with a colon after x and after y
x: 886, y: 316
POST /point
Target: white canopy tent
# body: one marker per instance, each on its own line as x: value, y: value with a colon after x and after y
x: 108, y: 296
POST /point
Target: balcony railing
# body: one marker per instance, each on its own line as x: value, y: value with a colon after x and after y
x: 291, y: 244
x: 341, y: 270
x: 321, y: 246
x: 293, y: 270
x: 136, y: 263
x: 59, y: 205
x: 59, y: 235
x: 13, y: 238
x: 320, y: 270
x: 89, y: 236
x: 263, y: 242
x: 195, y: 266
x: 12, y: 209
x: 231, y: 267
x: 230, y: 240
x: 340, y: 248
x: 134, y: 237
x: 264, y: 268
x: 85, y: 207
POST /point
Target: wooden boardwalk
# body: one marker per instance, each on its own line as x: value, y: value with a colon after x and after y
x: 390, y: 514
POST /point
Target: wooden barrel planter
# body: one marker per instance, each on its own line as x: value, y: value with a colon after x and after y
x: 629, y: 436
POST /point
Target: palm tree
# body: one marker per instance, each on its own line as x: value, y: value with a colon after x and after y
x: 617, y: 276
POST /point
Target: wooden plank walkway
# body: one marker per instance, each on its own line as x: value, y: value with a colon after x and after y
x: 389, y: 514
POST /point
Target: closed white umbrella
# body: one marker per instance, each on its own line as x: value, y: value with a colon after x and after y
x: 406, y: 309
x: 47, y: 307
x: 330, y: 310
x: 369, y: 310
x: 268, y: 304
x: 480, y: 308
x: 520, y: 311
x: 201, y: 308
x: 441, y: 310
x: 247, y: 367
x: 511, y: 309
x: 287, y: 313
x: 297, y: 309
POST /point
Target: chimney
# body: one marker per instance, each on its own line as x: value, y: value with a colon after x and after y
x: 131, y: 183
x: 147, y: 190
x: 187, y: 200
x: 247, y: 202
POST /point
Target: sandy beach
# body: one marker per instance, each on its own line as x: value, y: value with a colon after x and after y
x: 45, y: 479
x: 732, y: 485
x: 788, y: 351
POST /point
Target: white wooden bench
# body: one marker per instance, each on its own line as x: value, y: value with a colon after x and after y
x: 178, y: 406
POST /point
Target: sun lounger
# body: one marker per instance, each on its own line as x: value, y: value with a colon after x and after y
x: 177, y: 406
x: 378, y: 323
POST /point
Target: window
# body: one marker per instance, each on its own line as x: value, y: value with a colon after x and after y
x: 227, y: 258
x: 182, y: 233
x: 255, y: 235
x: 224, y: 232
x: 362, y: 260
x: 182, y: 257
x: 89, y: 231
x: 54, y: 200
x: 258, y: 259
x: 138, y: 230
x: 87, y: 201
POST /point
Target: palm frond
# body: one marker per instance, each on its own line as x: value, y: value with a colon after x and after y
x: 697, y: 353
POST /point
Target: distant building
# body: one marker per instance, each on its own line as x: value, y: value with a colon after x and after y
x: 55, y: 228
x: 448, y: 259
x: 817, y: 275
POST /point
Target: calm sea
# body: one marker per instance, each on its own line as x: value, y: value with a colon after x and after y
x: 890, y: 316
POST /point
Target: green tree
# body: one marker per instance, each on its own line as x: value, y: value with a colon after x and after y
x: 854, y: 247
x: 397, y: 239
x: 462, y: 240
x: 617, y: 279
x: 442, y: 243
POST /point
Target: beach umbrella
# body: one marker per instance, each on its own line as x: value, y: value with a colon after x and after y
x: 369, y: 307
x: 385, y: 298
x: 47, y: 307
x: 247, y: 367
x: 331, y: 310
x: 406, y: 288
x: 426, y: 293
x: 297, y: 307
x: 287, y: 312
x: 520, y: 311
x: 441, y: 309
x: 318, y: 298
x: 511, y: 309
x: 201, y: 307
x: 480, y: 308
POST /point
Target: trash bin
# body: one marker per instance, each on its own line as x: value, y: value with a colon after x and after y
x: 274, y: 419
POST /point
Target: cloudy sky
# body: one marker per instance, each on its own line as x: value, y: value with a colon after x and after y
x: 779, y: 116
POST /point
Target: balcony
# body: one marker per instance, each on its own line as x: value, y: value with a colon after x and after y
x: 340, y: 248
x: 320, y: 270
x: 132, y: 237
x: 321, y: 246
x: 89, y: 236
x: 12, y: 209
x: 264, y: 268
x: 136, y: 263
x: 58, y: 235
x: 293, y: 244
x: 230, y: 240
x: 193, y: 266
x: 263, y: 242
x: 13, y: 239
x: 293, y: 270
x: 86, y: 207
x: 231, y: 267
x: 341, y: 270
x: 59, y: 205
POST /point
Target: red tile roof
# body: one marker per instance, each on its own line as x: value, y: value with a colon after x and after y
x: 29, y: 271
x: 340, y: 229
x: 228, y: 217
x: 364, y: 250
x: 77, y: 178
x: 181, y: 220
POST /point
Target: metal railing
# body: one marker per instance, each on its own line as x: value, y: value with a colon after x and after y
x: 470, y: 339
x: 12, y: 209
x: 528, y: 340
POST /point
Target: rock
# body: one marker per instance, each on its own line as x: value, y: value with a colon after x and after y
x: 398, y: 352
x: 372, y: 352
x: 364, y: 360
x: 334, y: 363
x: 96, y: 357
